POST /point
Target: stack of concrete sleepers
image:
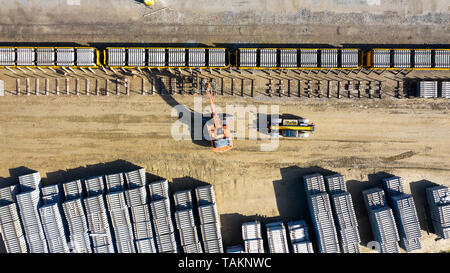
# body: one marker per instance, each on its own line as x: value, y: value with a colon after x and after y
x: 216, y: 57
x: 136, y: 57
x: 28, y: 201
x: 53, y: 227
x: 439, y: 202
x: 114, y: 182
x: 402, y: 58
x: 349, y: 58
x: 308, y: 57
x: 445, y: 90
x: 26, y: 56
x: 422, y: 58
x: 268, y: 57
x: 209, y: 219
x: 196, y: 57
x: 94, y: 186
x: 136, y: 178
x: 382, y: 220
x: 298, y: 233
x: 288, y: 57
x: 51, y: 194
x: 156, y: 57
x: 276, y: 235
x: 86, y: 57
x: 427, y: 89
x: 442, y: 58
x: 11, y: 229
x: 79, y: 240
x: 116, y: 56
x: 321, y: 214
x: 248, y: 57
x: 65, y: 56
x: 177, y: 57
x: 184, y: 218
x: 10, y: 226
x: 329, y: 58
x: 45, y: 56
x: 137, y: 201
x: 344, y: 214
x: 52, y: 219
x: 120, y: 219
x: 405, y: 213
x: 162, y: 220
x: 7, y: 56
x: 381, y: 58
x: 96, y: 214
x: 72, y: 190
x: 253, y: 241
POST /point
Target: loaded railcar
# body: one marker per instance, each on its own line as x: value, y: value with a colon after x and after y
x: 298, y: 58
x: 49, y: 56
x: 160, y: 57
x: 415, y: 59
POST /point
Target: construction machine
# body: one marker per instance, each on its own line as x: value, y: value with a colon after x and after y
x: 149, y: 2
x: 288, y: 127
x: 219, y: 133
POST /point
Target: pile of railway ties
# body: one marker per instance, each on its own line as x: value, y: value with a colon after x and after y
x: 125, y: 213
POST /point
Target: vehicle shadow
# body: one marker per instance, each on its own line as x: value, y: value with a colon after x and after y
x: 187, y: 116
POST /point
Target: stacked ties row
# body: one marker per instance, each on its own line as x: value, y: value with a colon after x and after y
x: 344, y: 213
x: 405, y: 214
x: 97, y: 216
x: 118, y: 210
x: 137, y: 201
x: 28, y: 201
x: 162, y: 220
x: 298, y: 233
x: 79, y: 239
x: 276, y: 235
x: 209, y: 219
x: 52, y: 219
x: 10, y: 227
x: 251, y: 233
x: 439, y: 201
x: 184, y: 217
x: 382, y: 220
x: 321, y: 214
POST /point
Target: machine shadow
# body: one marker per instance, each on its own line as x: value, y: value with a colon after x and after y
x: 418, y: 191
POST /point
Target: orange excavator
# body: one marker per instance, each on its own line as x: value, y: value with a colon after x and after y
x: 219, y: 133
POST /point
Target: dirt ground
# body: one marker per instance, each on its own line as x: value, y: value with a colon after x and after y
x: 330, y: 22
x: 363, y: 139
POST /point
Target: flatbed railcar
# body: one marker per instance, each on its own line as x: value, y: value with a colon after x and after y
x: 221, y: 58
x: 408, y: 59
x: 299, y: 58
x: 21, y: 56
x: 166, y: 57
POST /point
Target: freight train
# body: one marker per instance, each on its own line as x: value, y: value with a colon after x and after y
x: 220, y: 58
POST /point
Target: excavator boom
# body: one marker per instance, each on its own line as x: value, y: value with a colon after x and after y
x: 219, y: 133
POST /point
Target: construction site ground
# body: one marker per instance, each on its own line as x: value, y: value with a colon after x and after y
x: 66, y: 136
x: 363, y: 139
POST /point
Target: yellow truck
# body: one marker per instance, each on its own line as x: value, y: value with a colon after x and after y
x: 286, y: 127
x: 149, y: 2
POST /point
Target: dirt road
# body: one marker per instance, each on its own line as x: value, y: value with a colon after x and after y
x: 364, y: 140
